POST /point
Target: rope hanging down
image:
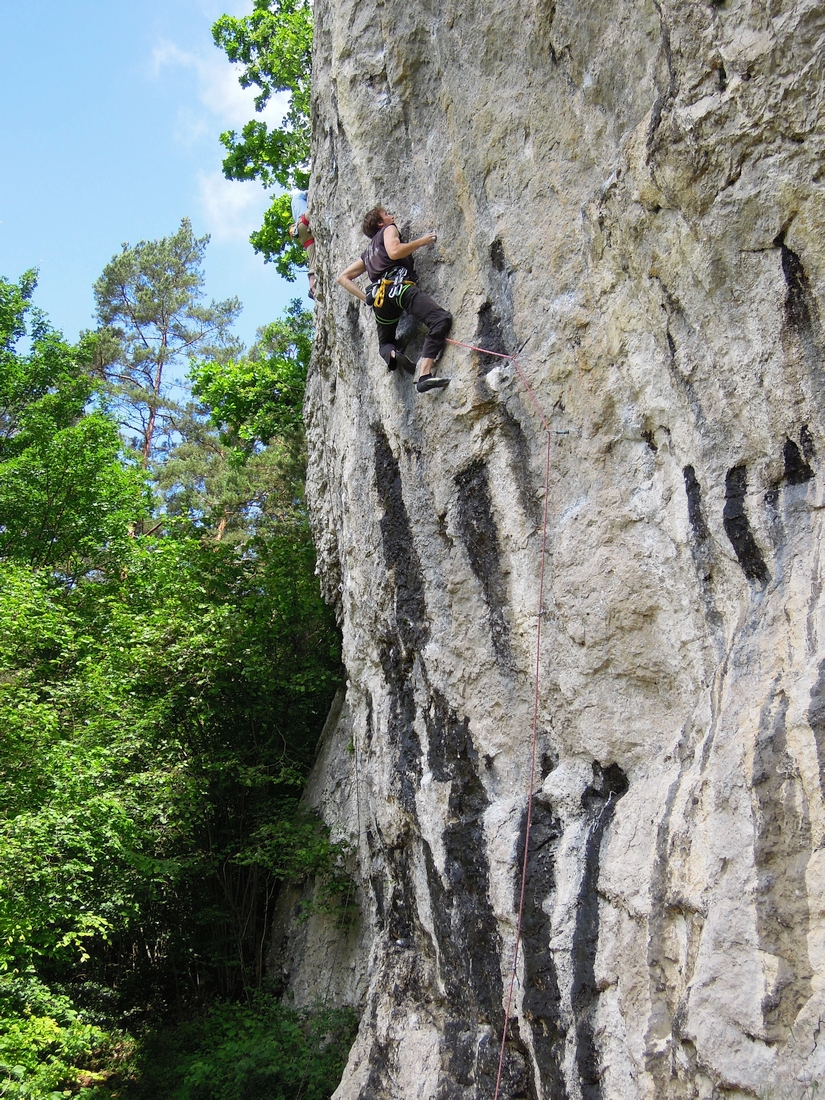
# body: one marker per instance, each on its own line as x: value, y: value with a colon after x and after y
x: 534, y: 737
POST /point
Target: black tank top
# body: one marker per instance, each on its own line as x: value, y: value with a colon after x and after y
x: 377, y: 260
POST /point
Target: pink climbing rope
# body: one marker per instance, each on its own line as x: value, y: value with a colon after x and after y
x: 521, y: 374
x: 534, y: 738
x: 532, y: 782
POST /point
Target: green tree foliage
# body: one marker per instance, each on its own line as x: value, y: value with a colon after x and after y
x: 66, y: 499
x: 46, y: 1046
x: 150, y: 306
x: 159, y: 738
x: 158, y: 730
x: 159, y: 714
x: 260, y: 396
x: 239, y: 466
x: 274, y: 46
x: 227, y: 491
x: 273, y: 241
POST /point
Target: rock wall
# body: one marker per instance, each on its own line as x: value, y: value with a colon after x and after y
x: 630, y: 196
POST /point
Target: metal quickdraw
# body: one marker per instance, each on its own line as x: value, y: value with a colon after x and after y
x: 391, y: 286
x: 398, y: 283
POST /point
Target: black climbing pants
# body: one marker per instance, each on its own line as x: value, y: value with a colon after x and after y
x: 424, y: 309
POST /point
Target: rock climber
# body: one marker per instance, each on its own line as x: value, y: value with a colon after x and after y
x: 393, y: 290
x: 301, y: 230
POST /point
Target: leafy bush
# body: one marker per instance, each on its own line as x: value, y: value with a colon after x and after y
x: 43, y: 1041
x: 259, y: 1051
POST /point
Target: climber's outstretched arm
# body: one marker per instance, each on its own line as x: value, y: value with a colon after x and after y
x: 346, y: 279
x: 396, y: 250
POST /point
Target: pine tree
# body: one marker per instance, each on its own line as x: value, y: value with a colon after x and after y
x: 153, y: 318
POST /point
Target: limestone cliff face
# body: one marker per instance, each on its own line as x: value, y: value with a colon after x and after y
x: 633, y: 193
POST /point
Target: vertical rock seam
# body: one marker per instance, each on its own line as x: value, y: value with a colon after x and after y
x: 782, y: 850
x: 599, y: 804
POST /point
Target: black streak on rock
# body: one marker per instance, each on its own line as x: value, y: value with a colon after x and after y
x: 798, y: 311
x: 377, y: 886
x: 410, y: 948
x: 380, y: 1072
x: 402, y: 925
x: 599, y: 803
x: 782, y: 849
x: 802, y: 332
x: 701, y: 545
x: 369, y: 726
x: 738, y: 529
x: 489, y: 334
x: 478, y: 531
x: 470, y: 1067
x: 694, y: 503
x: 353, y: 316
x: 665, y: 97
x: 541, y: 999
x: 519, y: 449
x: 408, y: 634
x: 399, y: 549
x: 797, y: 470
x: 466, y: 928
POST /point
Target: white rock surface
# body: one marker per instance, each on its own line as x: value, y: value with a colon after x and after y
x: 633, y: 193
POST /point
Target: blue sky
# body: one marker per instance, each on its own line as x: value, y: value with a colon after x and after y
x: 110, y: 112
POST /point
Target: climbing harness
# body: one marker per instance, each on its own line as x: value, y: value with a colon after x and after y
x: 302, y: 232
x: 391, y: 286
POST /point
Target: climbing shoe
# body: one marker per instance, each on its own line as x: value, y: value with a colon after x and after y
x: 430, y: 383
x: 400, y: 360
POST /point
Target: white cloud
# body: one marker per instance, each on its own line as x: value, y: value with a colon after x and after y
x: 221, y: 102
x: 213, y: 101
x: 230, y: 209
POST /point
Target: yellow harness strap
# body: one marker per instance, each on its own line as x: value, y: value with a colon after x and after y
x: 384, y: 286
